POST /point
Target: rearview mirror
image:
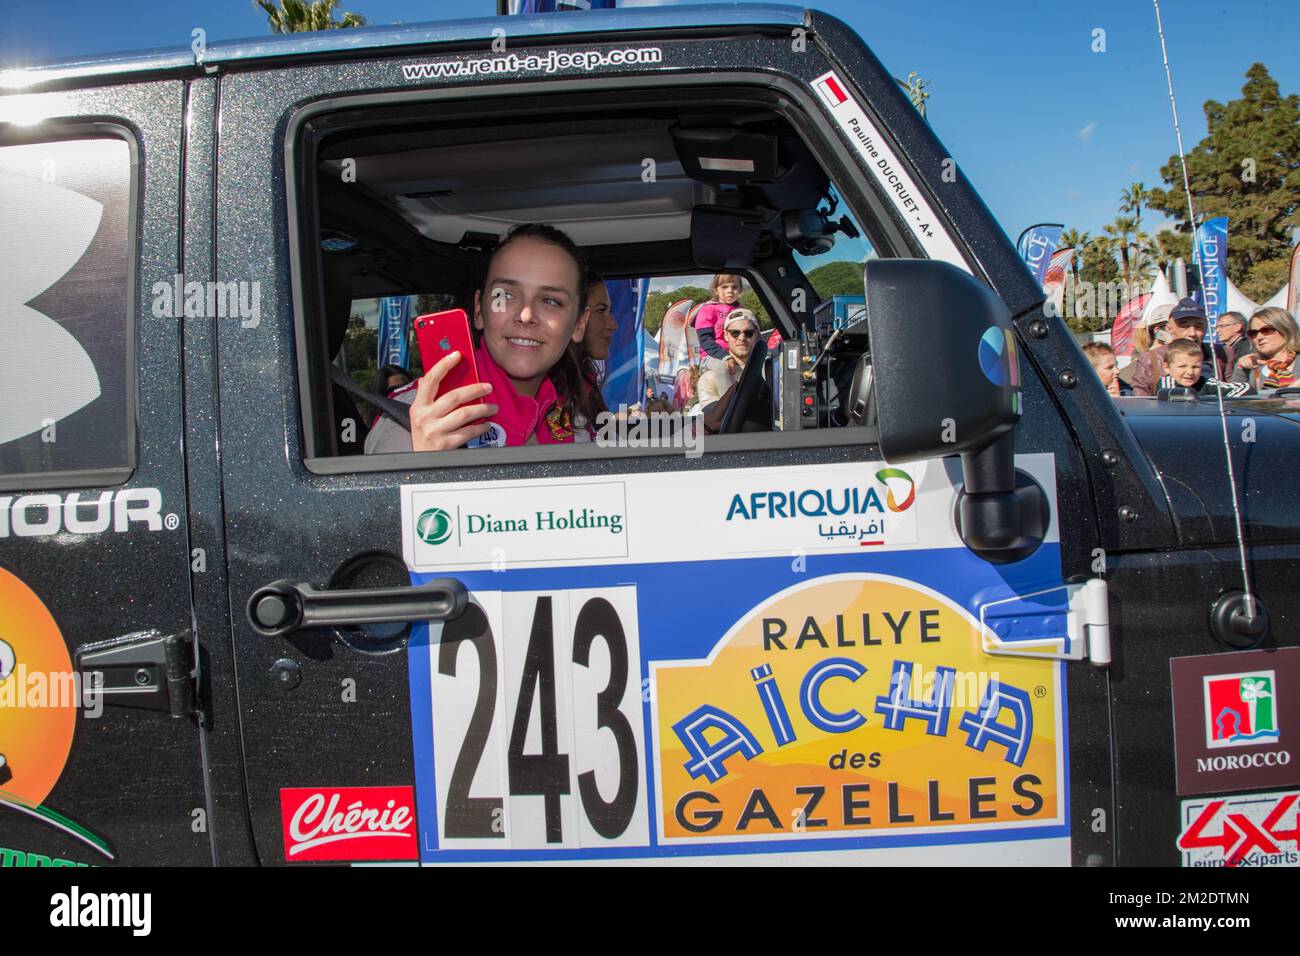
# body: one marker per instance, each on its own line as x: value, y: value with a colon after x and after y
x: 947, y: 381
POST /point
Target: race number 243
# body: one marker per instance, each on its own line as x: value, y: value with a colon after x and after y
x: 538, y: 727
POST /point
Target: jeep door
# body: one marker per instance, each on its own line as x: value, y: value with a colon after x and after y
x: 656, y: 655
x: 100, y: 742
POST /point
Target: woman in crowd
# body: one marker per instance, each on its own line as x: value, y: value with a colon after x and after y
x: 1276, y: 338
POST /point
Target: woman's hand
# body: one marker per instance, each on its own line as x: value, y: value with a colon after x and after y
x: 1249, y: 361
x: 1113, y: 387
x: 440, y: 422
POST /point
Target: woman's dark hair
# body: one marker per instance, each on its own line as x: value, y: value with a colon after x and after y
x: 385, y: 373
x: 570, y: 376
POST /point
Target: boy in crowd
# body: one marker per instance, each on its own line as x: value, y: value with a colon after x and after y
x: 1102, y: 357
x: 1183, y: 364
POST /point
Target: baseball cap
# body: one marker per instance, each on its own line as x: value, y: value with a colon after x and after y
x: 1187, y: 309
x: 738, y: 315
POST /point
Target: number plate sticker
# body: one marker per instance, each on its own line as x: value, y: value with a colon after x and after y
x: 537, y: 722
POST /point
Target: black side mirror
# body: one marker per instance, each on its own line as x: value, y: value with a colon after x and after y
x: 947, y: 381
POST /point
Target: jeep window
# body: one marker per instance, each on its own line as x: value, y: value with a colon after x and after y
x: 404, y: 200
x: 65, y: 364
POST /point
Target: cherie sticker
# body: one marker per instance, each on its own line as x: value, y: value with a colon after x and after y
x: 348, y: 823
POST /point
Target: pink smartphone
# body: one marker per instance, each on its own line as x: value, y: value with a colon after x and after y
x: 441, y: 333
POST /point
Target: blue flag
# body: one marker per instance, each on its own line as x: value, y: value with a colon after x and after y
x: 1212, y: 257
x: 1036, y: 245
x: 394, y: 330
x: 550, y: 6
x: 624, y: 382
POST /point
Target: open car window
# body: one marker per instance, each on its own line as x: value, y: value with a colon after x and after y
x: 661, y: 197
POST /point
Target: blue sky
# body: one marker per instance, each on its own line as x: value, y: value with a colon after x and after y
x: 1045, y: 128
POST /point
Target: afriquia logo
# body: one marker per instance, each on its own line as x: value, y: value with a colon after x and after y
x: 900, y: 494
x: 1240, y: 709
x: 433, y: 526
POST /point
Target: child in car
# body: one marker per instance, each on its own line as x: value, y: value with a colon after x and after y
x: 710, y: 318
x: 531, y: 308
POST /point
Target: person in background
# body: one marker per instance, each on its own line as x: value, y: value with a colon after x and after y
x: 1186, y: 321
x: 601, y: 323
x: 1230, y: 330
x: 1102, y: 357
x: 391, y: 377
x: 1276, y: 338
x: 724, y: 292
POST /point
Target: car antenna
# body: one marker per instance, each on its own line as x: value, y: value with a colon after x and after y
x: 1250, y: 619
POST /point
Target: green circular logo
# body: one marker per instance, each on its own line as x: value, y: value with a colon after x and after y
x: 433, y: 526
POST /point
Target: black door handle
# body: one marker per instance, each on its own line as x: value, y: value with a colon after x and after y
x: 283, y: 607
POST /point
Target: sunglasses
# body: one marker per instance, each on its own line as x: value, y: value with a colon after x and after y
x: 1262, y: 330
x: 742, y: 333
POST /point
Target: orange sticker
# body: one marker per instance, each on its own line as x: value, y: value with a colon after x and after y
x: 39, y: 694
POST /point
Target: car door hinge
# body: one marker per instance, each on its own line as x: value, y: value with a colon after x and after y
x: 146, y: 669
x: 1070, y: 622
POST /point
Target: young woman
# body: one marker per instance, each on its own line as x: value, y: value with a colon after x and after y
x: 529, y: 311
x: 1276, y: 338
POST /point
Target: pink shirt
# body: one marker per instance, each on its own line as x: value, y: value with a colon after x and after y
x: 520, y: 417
x: 713, y: 315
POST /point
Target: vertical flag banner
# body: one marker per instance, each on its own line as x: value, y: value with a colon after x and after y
x: 1054, y: 279
x: 1293, y: 287
x: 1121, y: 330
x: 1212, y: 255
x: 394, y: 330
x: 624, y: 381
x: 550, y: 6
x: 1035, y: 246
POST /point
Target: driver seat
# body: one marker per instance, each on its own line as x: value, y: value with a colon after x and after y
x: 860, y: 403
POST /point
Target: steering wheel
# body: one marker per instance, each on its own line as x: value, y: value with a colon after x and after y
x: 751, y: 379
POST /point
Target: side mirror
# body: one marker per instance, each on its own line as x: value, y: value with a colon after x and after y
x: 947, y: 381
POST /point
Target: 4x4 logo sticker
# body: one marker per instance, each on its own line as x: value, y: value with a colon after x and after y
x: 1256, y: 830
x: 44, y: 230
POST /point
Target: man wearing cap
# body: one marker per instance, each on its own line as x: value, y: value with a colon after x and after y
x: 716, y: 385
x: 1186, y: 321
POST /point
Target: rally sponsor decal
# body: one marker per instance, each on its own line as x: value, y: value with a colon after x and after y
x: 348, y: 823
x: 786, y: 660
x: 1236, y: 720
x: 889, y: 172
x: 715, y: 514
x: 1248, y: 830
x: 855, y: 703
x: 39, y: 696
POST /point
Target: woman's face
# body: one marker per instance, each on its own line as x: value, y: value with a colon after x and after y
x: 729, y: 292
x: 1267, y: 340
x: 528, y: 311
x: 601, y: 324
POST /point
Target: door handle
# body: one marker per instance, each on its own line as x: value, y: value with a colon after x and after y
x: 283, y: 607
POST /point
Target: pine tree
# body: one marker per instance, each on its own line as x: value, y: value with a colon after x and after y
x: 1248, y: 169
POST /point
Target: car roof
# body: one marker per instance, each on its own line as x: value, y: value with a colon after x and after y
x: 393, y: 36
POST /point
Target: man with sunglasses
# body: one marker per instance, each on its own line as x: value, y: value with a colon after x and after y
x: 1186, y: 321
x: 716, y: 386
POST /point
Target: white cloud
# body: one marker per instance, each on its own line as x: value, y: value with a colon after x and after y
x: 1085, y: 134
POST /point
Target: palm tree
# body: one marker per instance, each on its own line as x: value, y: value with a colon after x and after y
x: 1132, y: 200
x: 1119, y: 232
x: 300, y: 16
x: 1076, y: 240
